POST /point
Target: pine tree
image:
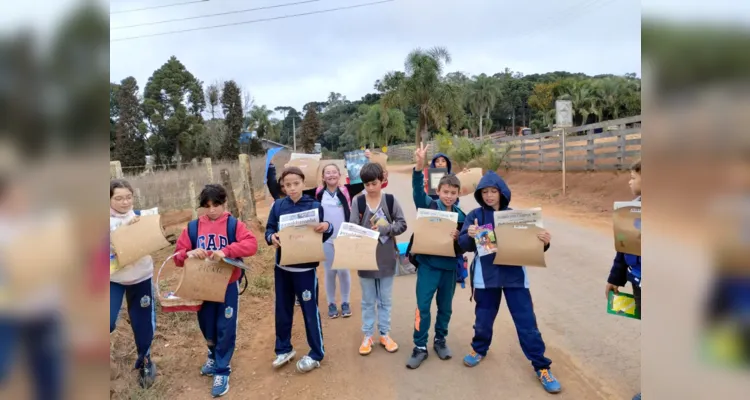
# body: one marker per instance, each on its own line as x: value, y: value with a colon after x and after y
x: 231, y: 102
x: 130, y: 140
x: 310, y: 129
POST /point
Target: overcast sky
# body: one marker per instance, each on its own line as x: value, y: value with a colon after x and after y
x: 296, y: 60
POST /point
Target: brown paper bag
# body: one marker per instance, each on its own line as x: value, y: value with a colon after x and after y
x: 432, y: 236
x: 379, y: 158
x: 342, y: 169
x: 627, y: 227
x: 27, y: 268
x: 355, y: 253
x: 519, y: 245
x: 205, y: 280
x: 300, y: 245
x: 469, y: 180
x: 309, y: 167
x: 133, y: 242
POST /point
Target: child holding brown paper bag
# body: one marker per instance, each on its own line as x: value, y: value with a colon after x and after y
x: 217, y: 321
x: 490, y: 282
x: 298, y: 280
x: 627, y: 267
x: 134, y: 282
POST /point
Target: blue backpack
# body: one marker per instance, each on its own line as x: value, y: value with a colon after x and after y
x: 192, y: 230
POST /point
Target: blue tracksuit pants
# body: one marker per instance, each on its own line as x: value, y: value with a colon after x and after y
x: 521, y: 310
x: 304, y: 286
x: 218, y: 323
x: 141, y: 311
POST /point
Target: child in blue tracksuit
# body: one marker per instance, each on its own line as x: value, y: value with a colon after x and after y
x: 134, y: 283
x: 627, y: 267
x: 489, y: 282
x: 296, y: 281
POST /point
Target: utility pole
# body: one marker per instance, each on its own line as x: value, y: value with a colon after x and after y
x: 294, y: 134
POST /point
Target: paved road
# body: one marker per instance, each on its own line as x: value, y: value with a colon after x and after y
x: 595, y: 355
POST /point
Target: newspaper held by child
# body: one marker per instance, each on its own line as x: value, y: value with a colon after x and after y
x: 355, y: 248
x: 517, y: 241
x: 433, y: 232
x: 299, y: 242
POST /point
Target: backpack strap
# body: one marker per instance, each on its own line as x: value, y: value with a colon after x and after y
x: 345, y: 192
x: 318, y: 190
x: 389, y: 203
x: 361, y: 204
x: 231, y: 229
x: 192, y: 230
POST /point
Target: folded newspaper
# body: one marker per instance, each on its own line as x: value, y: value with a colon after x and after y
x: 309, y: 217
x: 530, y: 216
x: 428, y: 213
x: 349, y: 229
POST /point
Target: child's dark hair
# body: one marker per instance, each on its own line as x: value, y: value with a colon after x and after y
x: 636, y: 167
x: 214, y: 194
x: 119, y: 184
x: 450, y: 180
x: 291, y: 171
x: 371, y: 172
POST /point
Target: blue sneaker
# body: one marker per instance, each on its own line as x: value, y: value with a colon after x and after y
x: 549, y: 382
x: 208, y: 368
x: 473, y: 359
x: 346, y: 311
x: 221, y: 386
x: 637, y: 397
x: 333, y: 311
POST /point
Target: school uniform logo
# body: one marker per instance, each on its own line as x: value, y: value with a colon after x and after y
x: 145, y: 301
x: 228, y: 312
x: 306, y: 295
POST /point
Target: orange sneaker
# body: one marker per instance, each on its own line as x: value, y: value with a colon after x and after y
x: 366, y: 347
x: 388, y: 343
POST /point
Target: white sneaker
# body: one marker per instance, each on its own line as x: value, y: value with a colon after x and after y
x: 307, y: 364
x: 282, y: 359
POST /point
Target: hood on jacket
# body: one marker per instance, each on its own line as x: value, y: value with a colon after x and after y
x: 448, y: 160
x: 222, y: 218
x: 491, y: 179
x: 305, y: 200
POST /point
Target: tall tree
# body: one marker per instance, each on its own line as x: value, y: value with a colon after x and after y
x: 231, y: 103
x: 381, y: 126
x: 422, y: 85
x: 310, y: 128
x: 114, y: 114
x: 213, y: 95
x: 130, y: 129
x: 483, y: 94
x: 173, y: 105
x: 259, y: 120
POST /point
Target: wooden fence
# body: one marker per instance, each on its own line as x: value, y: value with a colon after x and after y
x: 615, y: 148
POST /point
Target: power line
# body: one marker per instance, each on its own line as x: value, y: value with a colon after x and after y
x: 155, y: 7
x: 215, y: 15
x: 252, y: 21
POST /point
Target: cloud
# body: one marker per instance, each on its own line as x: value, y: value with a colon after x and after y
x: 296, y: 60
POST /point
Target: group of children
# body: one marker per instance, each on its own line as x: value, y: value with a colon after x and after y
x: 436, y: 275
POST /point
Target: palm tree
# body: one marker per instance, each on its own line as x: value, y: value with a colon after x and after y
x: 380, y: 125
x: 483, y: 94
x: 422, y: 85
x: 258, y: 119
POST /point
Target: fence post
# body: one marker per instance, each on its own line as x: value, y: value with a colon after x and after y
x: 540, y: 153
x: 523, y: 153
x: 226, y: 181
x: 115, y: 170
x: 590, y: 154
x: 139, y: 198
x: 209, y: 169
x: 193, y: 199
x: 620, y: 150
x: 247, y: 182
x: 194, y: 162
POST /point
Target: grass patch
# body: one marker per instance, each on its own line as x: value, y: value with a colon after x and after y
x: 260, y: 285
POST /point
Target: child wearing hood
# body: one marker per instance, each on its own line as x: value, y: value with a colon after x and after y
x: 489, y: 282
x: 439, y: 160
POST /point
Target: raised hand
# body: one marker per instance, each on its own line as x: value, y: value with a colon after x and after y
x: 473, y: 229
x: 420, y: 154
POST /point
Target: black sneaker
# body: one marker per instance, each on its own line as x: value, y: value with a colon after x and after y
x: 442, y: 350
x: 147, y: 374
x: 417, y: 356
